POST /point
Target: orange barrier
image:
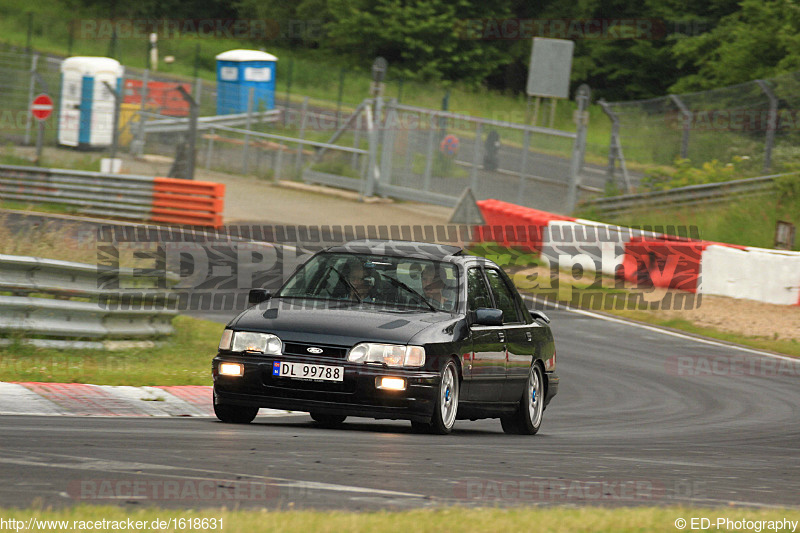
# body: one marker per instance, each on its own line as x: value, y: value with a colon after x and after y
x: 514, y: 225
x: 195, y: 203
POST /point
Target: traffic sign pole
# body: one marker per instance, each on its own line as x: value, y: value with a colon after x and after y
x: 41, y: 108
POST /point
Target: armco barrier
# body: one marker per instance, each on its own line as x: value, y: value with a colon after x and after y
x: 58, y: 302
x: 163, y: 200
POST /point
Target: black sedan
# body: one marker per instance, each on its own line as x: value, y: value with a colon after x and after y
x: 390, y: 330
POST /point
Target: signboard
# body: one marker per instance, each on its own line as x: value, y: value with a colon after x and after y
x: 41, y: 107
x: 550, y: 68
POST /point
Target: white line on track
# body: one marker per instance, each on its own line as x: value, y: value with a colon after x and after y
x: 658, y: 329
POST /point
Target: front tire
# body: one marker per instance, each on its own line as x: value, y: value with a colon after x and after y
x: 527, y: 419
x: 446, y: 408
x: 328, y: 421
x: 234, y: 414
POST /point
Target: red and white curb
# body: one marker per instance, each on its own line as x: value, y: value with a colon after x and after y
x: 77, y: 399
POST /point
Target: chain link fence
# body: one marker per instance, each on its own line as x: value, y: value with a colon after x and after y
x: 378, y: 147
x: 757, y: 120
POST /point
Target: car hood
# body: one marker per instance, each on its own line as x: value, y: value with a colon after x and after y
x: 336, y: 323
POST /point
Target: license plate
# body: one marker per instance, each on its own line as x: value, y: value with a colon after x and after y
x: 308, y: 371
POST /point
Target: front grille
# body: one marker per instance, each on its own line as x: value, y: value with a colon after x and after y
x: 332, y: 352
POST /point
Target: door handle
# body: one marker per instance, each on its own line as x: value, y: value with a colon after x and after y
x: 501, y: 336
x: 529, y: 336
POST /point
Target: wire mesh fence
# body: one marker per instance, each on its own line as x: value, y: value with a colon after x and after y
x: 758, y: 120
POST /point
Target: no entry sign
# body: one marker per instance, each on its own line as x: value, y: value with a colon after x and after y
x: 41, y: 107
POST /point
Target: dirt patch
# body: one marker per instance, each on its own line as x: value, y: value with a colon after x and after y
x: 731, y: 315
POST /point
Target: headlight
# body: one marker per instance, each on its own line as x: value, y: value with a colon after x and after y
x: 388, y: 354
x: 248, y: 341
x: 225, y: 341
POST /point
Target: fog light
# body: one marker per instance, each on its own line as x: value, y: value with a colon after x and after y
x: 231, y: 369
x: 392, y: 383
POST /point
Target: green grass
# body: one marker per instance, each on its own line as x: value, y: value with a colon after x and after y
x: 184, y: 358
x: 746, y: 221
x: 547, y: 520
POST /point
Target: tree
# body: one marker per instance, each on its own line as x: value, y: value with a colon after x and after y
x: 759, y: 40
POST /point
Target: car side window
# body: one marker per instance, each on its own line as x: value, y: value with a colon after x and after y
x: 477, y: 292
x: 503, y: 297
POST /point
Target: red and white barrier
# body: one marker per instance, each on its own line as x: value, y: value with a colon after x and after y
x: 771, y: 276
x: 663, y: 260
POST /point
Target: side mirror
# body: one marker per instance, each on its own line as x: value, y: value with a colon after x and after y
x: 539, y: 315
x: 256, y: 296
x: 486, y: 316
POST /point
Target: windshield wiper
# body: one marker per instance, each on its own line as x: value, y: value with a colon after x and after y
x: 398, y: 283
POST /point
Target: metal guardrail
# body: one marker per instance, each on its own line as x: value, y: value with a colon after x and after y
x: 51, y: 301
x: 179, y: 125
x: 128, y: 196
x: 684, y: 196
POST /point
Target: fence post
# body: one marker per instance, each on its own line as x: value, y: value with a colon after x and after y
x: 298, y: 163
x: 523, y: 170
x: 137, y: 146
x: 278, y: 165
x: 388, y: 142
x: 248, y: 124
x: 584, y: 93
x: 772, y: 123
x: 372, y: 160
x: 192, y: 134
x: 476, y: 157
x: 342, y: 73
x: 429, y: 154
x: 209, y: 148
x: 115, y: 133
x: 198, y: 89
x: 615, y: 148
x: 687, y: 124
x: 288, y: 93
x: 31, y: 89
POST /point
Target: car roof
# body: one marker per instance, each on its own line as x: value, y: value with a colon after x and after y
x: 396, y: 248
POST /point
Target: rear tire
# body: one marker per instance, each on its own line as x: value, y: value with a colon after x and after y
x: 328, y: 421
x: 446, y: 407
x: 234, y: 414
x: 527, y: 419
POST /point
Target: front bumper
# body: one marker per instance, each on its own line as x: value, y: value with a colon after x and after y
x: 356, y: 395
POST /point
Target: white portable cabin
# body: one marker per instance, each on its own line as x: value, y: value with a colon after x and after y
x: 86, y: 111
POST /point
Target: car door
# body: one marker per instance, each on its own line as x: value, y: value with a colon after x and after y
x: 488, y: 358
x: 519, y: 339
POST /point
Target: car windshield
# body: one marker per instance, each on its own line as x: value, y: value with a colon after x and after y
x: 373, y: 279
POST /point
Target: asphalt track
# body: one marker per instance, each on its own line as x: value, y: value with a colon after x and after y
x: 630, y: 426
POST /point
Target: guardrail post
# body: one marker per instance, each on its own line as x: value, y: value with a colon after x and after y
x: 576, y: 164
x: 137, y: 146
x: 476, y: 156
x: 687, y: 124
x: 248, y: 124
x: 772, y: 123
x: 298, y: 162
x: 31, y: 89
x: 523, y: 168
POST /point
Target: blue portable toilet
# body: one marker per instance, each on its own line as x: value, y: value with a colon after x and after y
x: 86, y: 109
x: 237, y: 72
